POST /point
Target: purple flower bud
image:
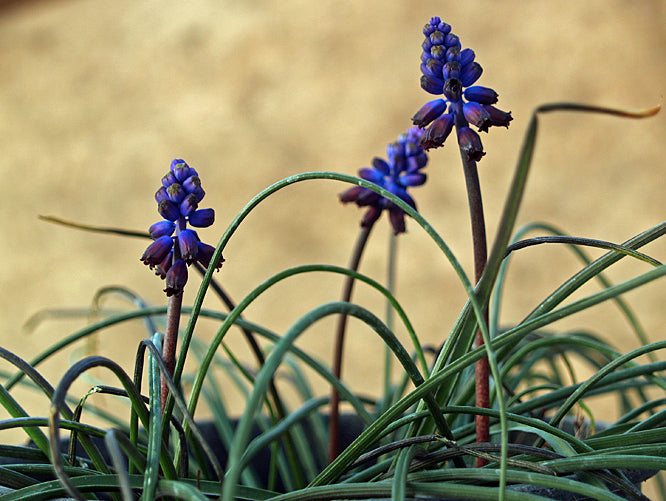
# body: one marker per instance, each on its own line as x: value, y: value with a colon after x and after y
x: 191, y: 184
x: 187, y: 243
x: 182, y: 171
x: 470, y: 144
x: 451, y: 70
x: 176, y: 278
x: 432, y: 67
x: 429, y: 112
x: 381, y: 166
x: 176, y: 162
x: 397, y: 218
x: 372, y: 175
x: 426, y: 46
x: 188, y: 205
x: 161, y: 194
x: 368, y: 197
x: 176, y: 193
x: 157, y: 251
x: 402, y: 193
x: 452, y: 54
x: 432, y: 84
x: 412, y: 147
x: 162, y: 268
x: 371, y: 215
x: 413, y: 179
x: 351, y: 195
x: 361, y: 196
x: 476, y: 114
x: 466, y: 56
x: 470, y: 73
x: 438, y: 52
x: 453, y: 89
x: 206, y: 254
x: 202, y: 218
x: 168, y: 179
x: 499, y: 117
x: 161, y: 228
x: 482, y: 95
x: 425, y: 55
x: 437, y: 37
x: 168, y: 210
x: 438, y: 131
x: 395, y: 152
x: 431, y: 26
x: 452, y: 41
x: 443, y: 27
x: 416, y: 162
x: 199, y: 193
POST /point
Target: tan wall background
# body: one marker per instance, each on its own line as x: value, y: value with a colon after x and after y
x: 97, y: 97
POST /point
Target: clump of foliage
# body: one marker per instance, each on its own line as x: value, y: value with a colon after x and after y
x: 489, y: 417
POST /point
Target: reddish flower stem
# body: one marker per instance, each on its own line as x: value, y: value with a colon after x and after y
x: 334, y: 422
x: 482, y: 369
x: 171, y: 340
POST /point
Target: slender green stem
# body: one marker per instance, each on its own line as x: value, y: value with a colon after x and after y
x: 334, y: 422
x: 230, y: 304
x: 390, y: 285
x: 588, y: 242
x: 280, y: 408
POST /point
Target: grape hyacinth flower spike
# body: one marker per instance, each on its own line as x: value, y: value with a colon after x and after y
x: 177, y: 202
x: 402, y: 170
x: 449, y: 70
x: 169, y: 255
x: 406, y: 158
x: 452, y: 71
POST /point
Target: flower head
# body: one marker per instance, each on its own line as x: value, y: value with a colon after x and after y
x: 450, y: 70
x: 178, y: 203
x: 406, y: 158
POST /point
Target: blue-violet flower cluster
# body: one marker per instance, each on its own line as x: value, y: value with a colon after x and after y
x: 178, y: 203
x: 406, y: 158
x: 451, y: 71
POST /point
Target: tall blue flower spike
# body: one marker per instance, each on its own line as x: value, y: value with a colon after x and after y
x: 406, y: 158
x: 178, y: 203
x: 449, y: 70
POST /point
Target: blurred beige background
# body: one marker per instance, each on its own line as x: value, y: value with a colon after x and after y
x: 97, y: 97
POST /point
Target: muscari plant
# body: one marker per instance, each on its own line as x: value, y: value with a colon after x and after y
x: 493, y: 412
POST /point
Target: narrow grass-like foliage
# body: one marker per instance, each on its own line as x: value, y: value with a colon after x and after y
x: 416, y: 438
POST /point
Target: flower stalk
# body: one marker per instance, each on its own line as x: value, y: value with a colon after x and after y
x: 334, y: 422
x: 450, y: 70
x: 406, y: 159
x: 170, y: 340
x: 479, y: 243
x: 169, y: 255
